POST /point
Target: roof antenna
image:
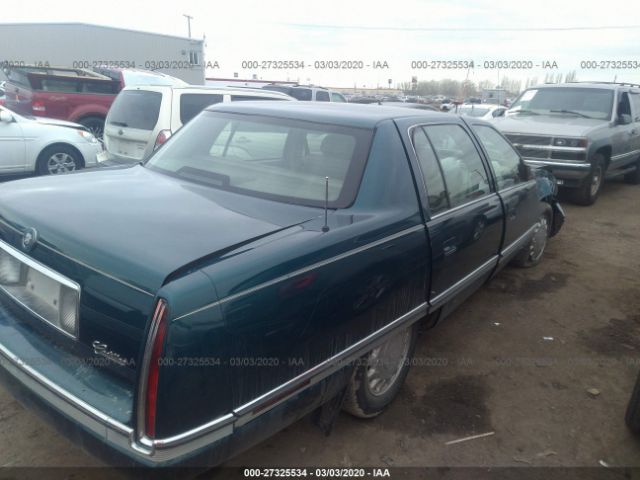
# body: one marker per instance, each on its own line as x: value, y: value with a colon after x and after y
x: 325, y: 227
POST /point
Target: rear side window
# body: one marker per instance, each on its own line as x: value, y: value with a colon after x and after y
x: 60, y: 85
x: 322, y: 96
x: 504, y: 159
x: 303, y: 94
x: 136, y: 109
x: 99, y: 87
x: 192, y: 104
x: 336, y: 97
x: 436, y: 192
x: 464, y: 174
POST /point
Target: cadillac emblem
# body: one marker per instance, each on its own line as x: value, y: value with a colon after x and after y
x: 29, y: 239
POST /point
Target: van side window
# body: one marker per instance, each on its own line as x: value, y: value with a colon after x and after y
x: 505, y: 161
x: 322, y: 96
x: 191, y: 104
x: 464, y: 173
x: 436, y: 192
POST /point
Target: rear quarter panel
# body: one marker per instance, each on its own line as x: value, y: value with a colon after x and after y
x: 288, y: 302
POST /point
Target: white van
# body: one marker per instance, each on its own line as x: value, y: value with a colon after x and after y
x: 142, y: 118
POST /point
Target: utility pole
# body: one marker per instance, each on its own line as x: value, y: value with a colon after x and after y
x: 189, y: 18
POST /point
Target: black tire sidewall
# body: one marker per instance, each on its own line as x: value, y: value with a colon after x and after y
x: 372, y: 405
x: 41, y: 166
x: 585, y: 197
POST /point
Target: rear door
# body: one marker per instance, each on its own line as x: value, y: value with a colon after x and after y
x: 134, y: 121
x: 515, y: 185
x: 464, y: 215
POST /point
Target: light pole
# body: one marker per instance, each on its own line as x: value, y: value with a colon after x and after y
x: 189, y: 18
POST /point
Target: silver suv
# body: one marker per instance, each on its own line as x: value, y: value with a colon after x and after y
x: 308, y: 93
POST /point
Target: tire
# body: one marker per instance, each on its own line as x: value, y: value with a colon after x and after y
x: 366, y: 399
x: 59, y: 159
x: 588, y: 192
x: 532, y: 253
x: 95, y: 126
x: 632, y: 416
x: 633, y: 177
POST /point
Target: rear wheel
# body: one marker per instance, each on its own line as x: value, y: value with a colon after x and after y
x: 532, y: 253
x: 378, y: 378
x: 633, y: 177
x: 587, y: 194
x: 95, y: 125
x: 59, y: 159
x: 632, y: 417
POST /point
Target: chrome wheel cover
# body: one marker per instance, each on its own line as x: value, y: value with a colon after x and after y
x: 539, y: 240
x: 60, y: 163
x: 596, y: 181
x: 386, y: 361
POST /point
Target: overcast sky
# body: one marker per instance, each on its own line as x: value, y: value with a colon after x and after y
x: 395, y: 32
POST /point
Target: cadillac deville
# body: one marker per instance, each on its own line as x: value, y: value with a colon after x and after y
x: 267, y: 260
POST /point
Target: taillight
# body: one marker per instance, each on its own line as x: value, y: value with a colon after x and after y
x: 151, y: 370
x: 162, y: 137
x: 38, y: 107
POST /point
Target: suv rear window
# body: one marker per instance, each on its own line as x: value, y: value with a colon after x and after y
x: 192, y: 104
x: 136, y: 109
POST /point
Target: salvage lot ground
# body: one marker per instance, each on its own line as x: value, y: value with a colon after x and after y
x: 520, y: 356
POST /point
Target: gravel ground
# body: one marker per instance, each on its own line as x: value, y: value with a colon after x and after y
x: 517, y: 359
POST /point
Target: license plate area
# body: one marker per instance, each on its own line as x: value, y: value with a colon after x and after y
x: 43, y: 292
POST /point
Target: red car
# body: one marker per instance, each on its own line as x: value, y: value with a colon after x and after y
x: 72, y: 94
x: 68, y: 94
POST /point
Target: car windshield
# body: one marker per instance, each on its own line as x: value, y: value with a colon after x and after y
x: 274, y: 158
x: 473, y: 111
x: 585, y: 102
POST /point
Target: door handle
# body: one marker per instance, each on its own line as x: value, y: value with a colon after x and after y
x: 449, y: 247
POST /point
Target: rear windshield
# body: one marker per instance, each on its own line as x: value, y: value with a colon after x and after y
x: 135, y: 109
x: 278, y: 159
x: 191, y: 104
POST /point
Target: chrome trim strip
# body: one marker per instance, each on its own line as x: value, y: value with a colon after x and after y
x: 105, y: 274
x: 622, y: 155
x: 513, y: 246
x: 47, y: 272
x: 464, y: 205
x: 247, y: 412
x: 483, y: 269
x: 552, y: 163
x: 550, y: 147
x: 235, y: 296
x: 67, y: 403
x: 166, y: 449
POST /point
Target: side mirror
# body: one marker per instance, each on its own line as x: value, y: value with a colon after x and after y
x: 624, y: 119
x: 6, y: 117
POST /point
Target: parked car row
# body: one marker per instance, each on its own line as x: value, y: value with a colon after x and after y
x: 270, y: 259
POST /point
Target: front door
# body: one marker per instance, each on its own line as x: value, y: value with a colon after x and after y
x: 465, y: 218
x: 516, y: 186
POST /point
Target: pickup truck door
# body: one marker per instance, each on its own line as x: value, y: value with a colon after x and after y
x: 625, y: 136
x: 634, y: 97
x: 464, y: 216
x: 12, y: 147
x: 516, y: 187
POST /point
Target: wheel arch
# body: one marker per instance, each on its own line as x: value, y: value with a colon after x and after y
x: 59, y: 144
x: 605, y: 151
